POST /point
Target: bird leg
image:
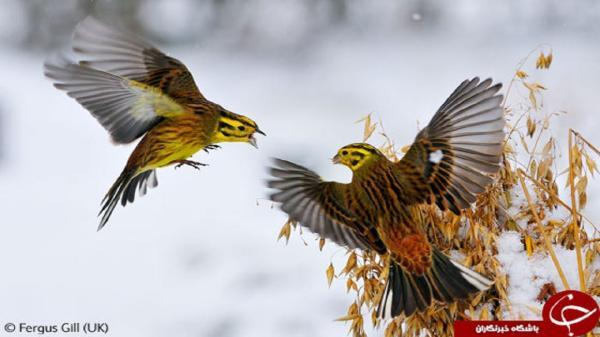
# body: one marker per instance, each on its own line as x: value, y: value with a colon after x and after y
x: 211, y: 147
x: 191, y: 163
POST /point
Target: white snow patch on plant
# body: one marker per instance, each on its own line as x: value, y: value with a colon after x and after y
x: 527, y: 275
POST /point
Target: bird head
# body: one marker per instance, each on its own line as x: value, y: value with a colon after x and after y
x: 356, y: 155
x: 232, y: 127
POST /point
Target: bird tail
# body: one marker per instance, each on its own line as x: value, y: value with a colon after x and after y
x: 446, y: 281
x: 124, y: 188
x: 113, y: 195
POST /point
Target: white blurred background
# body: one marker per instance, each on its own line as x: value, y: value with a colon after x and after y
x: 198, y: 256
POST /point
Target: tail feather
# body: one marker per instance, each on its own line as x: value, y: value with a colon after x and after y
x: 441, y: 293
x: 450, y: 278
x: 124, y: 189
x: 475, y: 279
x: 447, y: 281
x: 421, y: 292
x: 403, y: 293
x: 111, y: 199
x: 141, y: 182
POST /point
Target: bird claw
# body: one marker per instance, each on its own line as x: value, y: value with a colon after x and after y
x: 211, y: 147
x: 191, y: 163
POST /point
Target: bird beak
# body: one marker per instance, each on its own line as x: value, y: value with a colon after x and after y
x: 259, y: 131
x: 336, y: 159
x: 252, y: 141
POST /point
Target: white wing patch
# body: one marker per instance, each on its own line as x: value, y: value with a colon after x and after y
x: 436, y: 156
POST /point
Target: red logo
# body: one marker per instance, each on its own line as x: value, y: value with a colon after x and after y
x: 568, y: 313
x: 571, y: 313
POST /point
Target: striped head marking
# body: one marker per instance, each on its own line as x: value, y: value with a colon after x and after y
x: 356, y: 155
x: 232, y: 127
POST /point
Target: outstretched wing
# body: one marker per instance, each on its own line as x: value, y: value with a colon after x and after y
x: 129, y: 56
x: 126, y: 108
x: 318, y: 205
x: 450, y: 158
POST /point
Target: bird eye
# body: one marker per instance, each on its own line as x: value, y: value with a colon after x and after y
x: 344, y: 153
x: 241, y: 128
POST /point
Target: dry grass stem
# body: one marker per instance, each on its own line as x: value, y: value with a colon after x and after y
x: 574, y: 217
x: 547, y: 242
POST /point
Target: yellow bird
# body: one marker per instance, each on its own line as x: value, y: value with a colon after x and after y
x: 448, y: 164
x: 134, y: 90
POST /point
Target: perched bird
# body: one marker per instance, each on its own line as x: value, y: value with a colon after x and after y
x: 134, y: 90
x: 448, y: 163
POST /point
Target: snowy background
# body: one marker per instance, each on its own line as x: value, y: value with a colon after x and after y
x: 198, y: 256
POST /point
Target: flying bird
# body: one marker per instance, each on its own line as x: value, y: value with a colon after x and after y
x: 136, y: 91
x: 449, y: 163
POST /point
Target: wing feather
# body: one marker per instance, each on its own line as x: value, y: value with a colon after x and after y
x: 124, y: 107
x: 462, y: 143
x: 123, y: 54
x: 315, y: 204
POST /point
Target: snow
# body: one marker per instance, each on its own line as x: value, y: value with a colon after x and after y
x: 527, y: 275
x: 198, y: 255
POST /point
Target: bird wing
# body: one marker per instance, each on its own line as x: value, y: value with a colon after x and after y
x: 129, y: 56
x: 317, y: 205
x: 449, y: 160
x: 126, y: 108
